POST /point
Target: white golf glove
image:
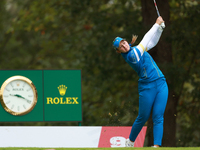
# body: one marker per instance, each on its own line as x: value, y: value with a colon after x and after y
x: 162, y: 26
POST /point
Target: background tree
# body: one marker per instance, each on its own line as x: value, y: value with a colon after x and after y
x: 162, y: 54
x: 76, y: 34
x: 185, y: 36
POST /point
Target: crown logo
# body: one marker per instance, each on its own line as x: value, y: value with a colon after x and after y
x: 18, y: 83
x: 62, y: 90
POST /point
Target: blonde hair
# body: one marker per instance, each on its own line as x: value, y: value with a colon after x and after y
x: 134, y: 38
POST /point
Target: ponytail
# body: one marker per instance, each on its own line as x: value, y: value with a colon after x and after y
x: 134, y: 38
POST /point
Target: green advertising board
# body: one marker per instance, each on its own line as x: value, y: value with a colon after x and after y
x: 62, y: 97
x: 58, y: 95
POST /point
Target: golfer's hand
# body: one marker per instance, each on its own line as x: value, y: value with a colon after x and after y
x: 159, y: 20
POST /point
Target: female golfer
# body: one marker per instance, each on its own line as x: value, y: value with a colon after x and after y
x: 152, y: 86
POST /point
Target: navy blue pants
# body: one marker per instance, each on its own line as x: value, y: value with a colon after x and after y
x: 152, y: 96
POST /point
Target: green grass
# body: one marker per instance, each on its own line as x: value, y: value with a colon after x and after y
x: 144, y: 148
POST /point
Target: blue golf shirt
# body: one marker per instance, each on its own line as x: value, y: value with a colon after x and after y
x: 144, y: 65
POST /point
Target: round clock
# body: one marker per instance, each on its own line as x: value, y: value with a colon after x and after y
x: 18, y: 95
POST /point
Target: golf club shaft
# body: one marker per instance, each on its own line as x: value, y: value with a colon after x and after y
x: 158, y: 12
x: 156, y: 8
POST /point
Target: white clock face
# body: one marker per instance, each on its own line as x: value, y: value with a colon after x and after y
x: 18, y: 97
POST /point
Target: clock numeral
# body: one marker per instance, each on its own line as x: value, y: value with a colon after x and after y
x: 7, y: 90
x: 7, y: 102
x: 18, y: 108
x: 12, y: 106
x: 24, y: 85
x: 30, y: 95
x: 11, y: 84
x: 28, y: 89
x: 24, y: 106
x: 6, y: 96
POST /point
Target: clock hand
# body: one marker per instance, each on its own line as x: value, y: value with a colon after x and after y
x: 21, y: 97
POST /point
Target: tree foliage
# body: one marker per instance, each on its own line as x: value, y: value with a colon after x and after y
x: 74, y: 34
x: 186, y: 56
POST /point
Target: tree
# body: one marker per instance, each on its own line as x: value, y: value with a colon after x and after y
x: 162, y: 54
x: 76, y: 34
x: 186, y: 67
x: 177, y: 71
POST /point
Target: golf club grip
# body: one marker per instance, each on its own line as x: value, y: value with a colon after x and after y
x: 163, y: 25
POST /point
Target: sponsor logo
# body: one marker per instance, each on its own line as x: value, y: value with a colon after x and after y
x: 62, y: 90
x: 112, y: 136
x: 117, y: 141
x: 62, y: 100
x: 18, y: 89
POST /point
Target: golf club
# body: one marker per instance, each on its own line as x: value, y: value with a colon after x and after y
x: 163, y: 24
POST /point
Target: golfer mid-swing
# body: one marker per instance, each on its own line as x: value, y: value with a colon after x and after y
x: 152, y: 86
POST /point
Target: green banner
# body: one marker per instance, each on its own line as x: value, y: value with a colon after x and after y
x: 40, y: 95
x: 62, y: 95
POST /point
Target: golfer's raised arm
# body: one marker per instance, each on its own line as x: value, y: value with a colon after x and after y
x: 152, y: 37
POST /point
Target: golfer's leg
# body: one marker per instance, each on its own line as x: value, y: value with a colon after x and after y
x: 158, y: 113
x: 146, y: 98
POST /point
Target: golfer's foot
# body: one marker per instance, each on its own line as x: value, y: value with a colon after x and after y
x: 155, y: 146
x: 129, y: 143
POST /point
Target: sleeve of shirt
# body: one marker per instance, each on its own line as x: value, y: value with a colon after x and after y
x: 150, y: 39
x: 153, y: 42
x: 134, y: 55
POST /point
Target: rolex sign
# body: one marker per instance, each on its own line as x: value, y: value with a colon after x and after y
x: 40, y: 95
x: 59, y: 100
x: 62, y: 92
